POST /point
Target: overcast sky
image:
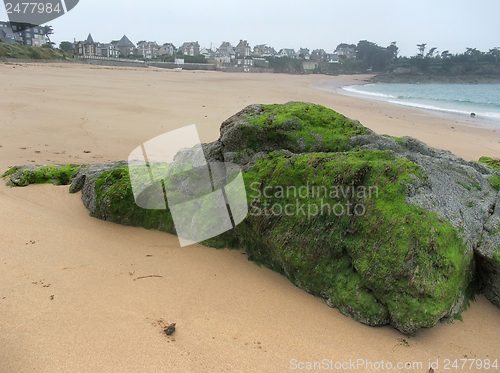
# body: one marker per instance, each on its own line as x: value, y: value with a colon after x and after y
x: 446, y: 24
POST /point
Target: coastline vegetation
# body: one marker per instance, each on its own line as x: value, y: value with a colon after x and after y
x: 472, y: 65
x: 427, y: 65
x: 45, y: 52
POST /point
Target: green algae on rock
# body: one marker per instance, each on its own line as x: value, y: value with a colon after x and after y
x: 41, y: 174
x: 395, y: 263
x: 414, y: 221
x: 295, y: 126
x: 494, y: 163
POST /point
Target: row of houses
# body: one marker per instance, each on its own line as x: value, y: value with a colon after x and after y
x: 124, y: 48
x: 227, y: 52
x: 12, y: 33
x: 224, y: 55
x: 243, y: 49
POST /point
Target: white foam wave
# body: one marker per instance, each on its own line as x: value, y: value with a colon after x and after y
x: 491, y: 115
x: 352, y: 89
x: 454, y: 111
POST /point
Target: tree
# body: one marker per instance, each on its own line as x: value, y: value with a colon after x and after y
x: 430, y: 54
x: 66, y: 46
x: 375, y: 57
x: 446, y: 54
x: 495, y: 52
x: 393, y: 50
x: 474, y: 53
x: 345, y: 45
x: 421, y: 49
x: 47, y: 31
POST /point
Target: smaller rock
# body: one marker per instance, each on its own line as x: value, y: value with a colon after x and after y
x: 169, y: 329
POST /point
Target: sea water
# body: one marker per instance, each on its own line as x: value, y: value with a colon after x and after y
x: 461, y: 100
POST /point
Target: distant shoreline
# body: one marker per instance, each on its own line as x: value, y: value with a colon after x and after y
x: 436, y: 112
x: 435, y: 79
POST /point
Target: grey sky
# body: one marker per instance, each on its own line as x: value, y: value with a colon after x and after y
x: 445, y: 24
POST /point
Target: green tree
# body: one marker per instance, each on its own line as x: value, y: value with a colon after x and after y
x: 421, y: 49
x: 495, y: 52
x: 430, y: 54
x: 474, y: 53
x: 66, y: 46
x: 374, y: 56
x: 47, y: 31
x: 393, y: 51
x: 446, y: 54
x: 345, y: 45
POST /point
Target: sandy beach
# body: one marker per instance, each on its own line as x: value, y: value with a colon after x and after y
x: 74, y: 291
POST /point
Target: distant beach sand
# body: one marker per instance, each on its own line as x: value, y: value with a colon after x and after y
x: 72, y: 296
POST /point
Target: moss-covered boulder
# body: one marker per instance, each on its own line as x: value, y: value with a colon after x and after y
x: 41, y: 174
x: 297, y: 127
x: 356, y: 243
x: 387, y: 230
x: 488, y: 249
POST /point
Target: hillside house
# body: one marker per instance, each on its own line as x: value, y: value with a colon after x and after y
x: 208, y: 53
x: 125, y: 46
x: 303, y: 53
x: 167, y: 49
x: 318, y: 55
x: 108, y: 50
x: 263, y: 50
x: 244, y: 62
x: 15, y: 33
x: 7, y: 35
x: 332, y: 58
x: 346, y: 50
x: 34, y: 36
x: 243, y: 48
x: 222, y: 58
x: 258, y: 50
x: 87, y: 48
x: 190, y: 48
x: 148, y: 49
x: 285, y: 52
x: 227, y: 48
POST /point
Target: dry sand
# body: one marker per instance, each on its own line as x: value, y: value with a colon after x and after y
x: 71, y: 299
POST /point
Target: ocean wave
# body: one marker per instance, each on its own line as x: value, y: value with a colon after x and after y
x: 491, y: 115
x: 374, y: 94
x: 455, y: 101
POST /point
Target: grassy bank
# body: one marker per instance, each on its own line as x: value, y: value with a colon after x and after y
x: 29, y: 52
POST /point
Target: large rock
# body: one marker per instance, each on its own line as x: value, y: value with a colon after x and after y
x: 419, y: 226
